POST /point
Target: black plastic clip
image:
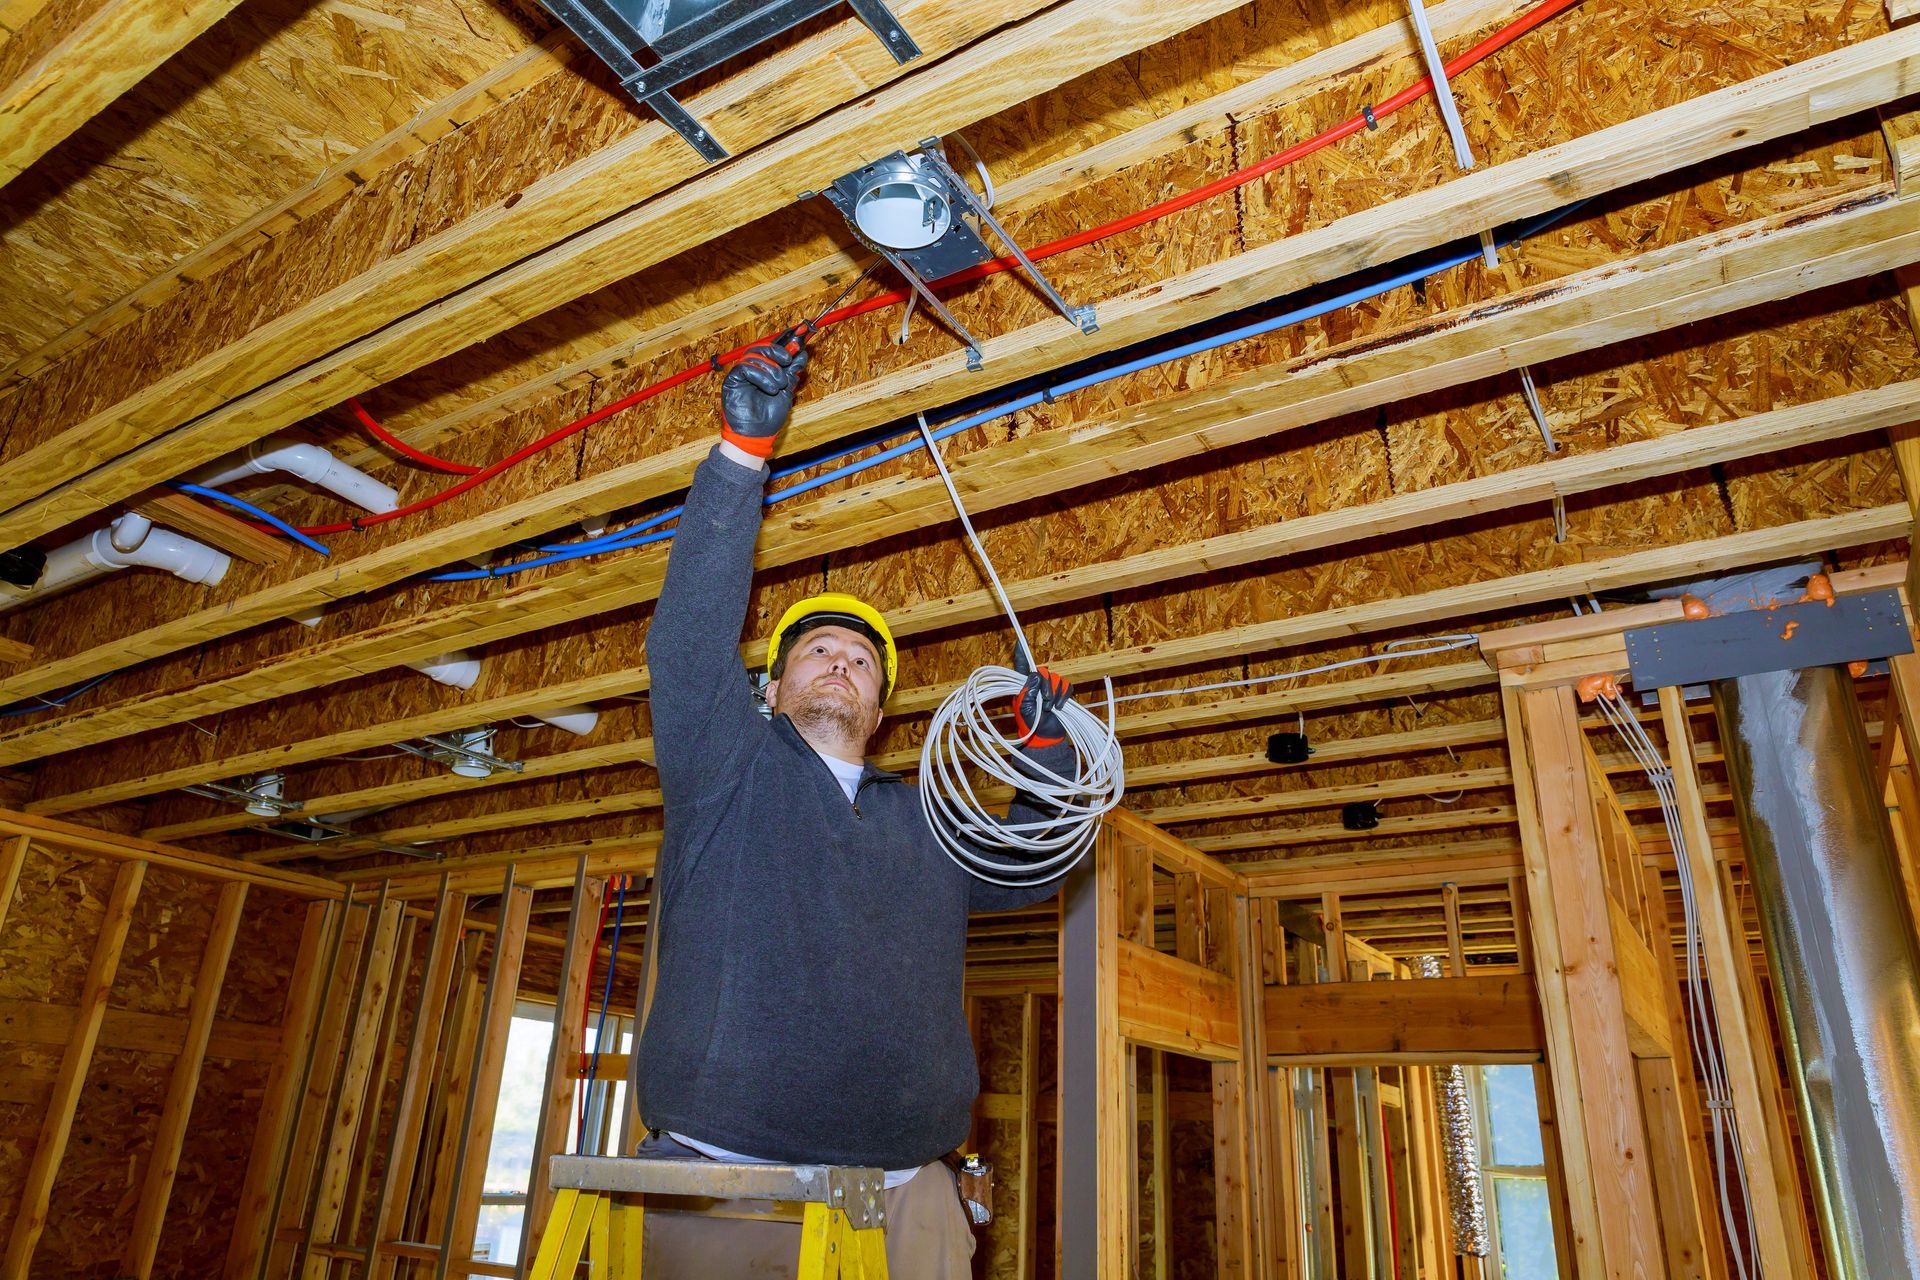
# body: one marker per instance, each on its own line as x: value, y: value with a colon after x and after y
x: 1372, y: 122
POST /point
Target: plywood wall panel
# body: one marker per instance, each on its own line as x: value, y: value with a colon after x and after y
x: 99, y: 1180
x: 213, y: 1167
x: 168, y: 932
x: 48, y: 937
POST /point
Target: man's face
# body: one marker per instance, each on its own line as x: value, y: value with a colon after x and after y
x: 832, y: 677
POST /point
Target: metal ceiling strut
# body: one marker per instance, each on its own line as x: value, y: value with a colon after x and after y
x: 688, y: 37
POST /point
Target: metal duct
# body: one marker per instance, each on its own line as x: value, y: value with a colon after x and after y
x: 1466, y: 1194
x: 1841, y: 953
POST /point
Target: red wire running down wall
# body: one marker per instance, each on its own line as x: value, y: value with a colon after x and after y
x: 1347, y: 128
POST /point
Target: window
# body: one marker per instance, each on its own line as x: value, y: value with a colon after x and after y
x: 516, y: 1117
x: 1519, y: 1208
x: 516, y: 1122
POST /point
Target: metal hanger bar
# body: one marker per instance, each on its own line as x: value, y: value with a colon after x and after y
x: 1082, y: 316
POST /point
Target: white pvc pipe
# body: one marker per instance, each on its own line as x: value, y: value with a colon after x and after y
x: 130, y: 540
x: 313, y: 464
x: 457, y: 670
x: 578, y: 721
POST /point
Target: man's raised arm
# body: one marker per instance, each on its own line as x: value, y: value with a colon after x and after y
x: 701, y: 704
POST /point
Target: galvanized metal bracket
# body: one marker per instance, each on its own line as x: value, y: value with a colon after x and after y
x: 1784, y: 638
x: 691, y: 36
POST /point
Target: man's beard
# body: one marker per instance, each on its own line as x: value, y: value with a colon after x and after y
x: 822, y: 712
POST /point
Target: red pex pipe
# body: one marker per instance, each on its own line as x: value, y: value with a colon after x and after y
x: 1219, y: 186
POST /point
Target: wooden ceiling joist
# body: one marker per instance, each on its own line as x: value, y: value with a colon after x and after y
x: 1182, y: 717
x: 1375, y: 871
x: 432, y: 422
x: 1456, y: 780
x: 95, y: 52
x: 369, y: 838
x: 1485, y: 816
x: 1637, y: 568
x: 1598, y: 307
x: 1607, y: 160
x: 634, y: 204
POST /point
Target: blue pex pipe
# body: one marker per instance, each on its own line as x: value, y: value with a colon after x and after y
x: 648, y: 531
x: 266, y: 517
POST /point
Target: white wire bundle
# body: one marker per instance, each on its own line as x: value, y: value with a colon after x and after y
x: 1702, y: 1019
x: 963, y: 736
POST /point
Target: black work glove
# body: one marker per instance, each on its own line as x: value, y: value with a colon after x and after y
x: 756, y: 396
x: 1036, y: 712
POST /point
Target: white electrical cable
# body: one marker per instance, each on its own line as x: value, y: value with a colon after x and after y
x: 1702, y: 1016
x: 963, y: 743
x: 1391, y: 649
x: 962, y: 740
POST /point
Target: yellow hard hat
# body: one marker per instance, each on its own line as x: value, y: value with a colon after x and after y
x: 836, y: 608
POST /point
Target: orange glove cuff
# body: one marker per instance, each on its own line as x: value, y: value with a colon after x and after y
x: 758, y: 446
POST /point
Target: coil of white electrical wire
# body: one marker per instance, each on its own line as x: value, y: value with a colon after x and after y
x: 963, y: 743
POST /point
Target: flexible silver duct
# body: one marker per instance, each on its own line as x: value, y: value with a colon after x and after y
x: 1840, y: 953
x: 1466, y: 1194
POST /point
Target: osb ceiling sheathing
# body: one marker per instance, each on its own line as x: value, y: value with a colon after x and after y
x: 276, y: 97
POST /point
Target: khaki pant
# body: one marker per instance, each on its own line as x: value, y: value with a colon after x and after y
x: 928, y: 1238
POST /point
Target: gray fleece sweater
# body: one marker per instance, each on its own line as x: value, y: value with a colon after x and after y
x: 811, y: 951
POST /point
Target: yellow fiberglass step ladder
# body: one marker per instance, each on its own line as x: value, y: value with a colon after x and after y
x: 599, y: 1211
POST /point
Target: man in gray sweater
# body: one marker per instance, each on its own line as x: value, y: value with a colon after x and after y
x: 812, y: 929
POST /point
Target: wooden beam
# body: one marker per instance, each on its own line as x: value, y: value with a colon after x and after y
x: 1496, y: 1013
x: 1412, y: 824
x: 1851, y: 529
x: 13, y: 857
x: 1176, y: 1005
x: 1575, y: 1158
x: 554, y: 1136
x: 163, y: 1160
x: 1027, y: 1190
x: 205, y: 866
x: 1608, y: 1104
x: 1326, y: 797
x: 56, y: 1125
x: 35, y: 1022
x: 104, y: 51
x: 606, y: 217
x: 1716, y: 123
x: 313, y: 1103
x: 410, y: 1109
x: 1357, y: 1210
x: 1772, y: 1179
x: 273, y: 1129
x: 215, y: 528
x: 356, y: 1080
x: 503, y: 985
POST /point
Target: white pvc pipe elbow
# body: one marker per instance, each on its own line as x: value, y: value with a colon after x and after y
x: 133, y: 540
x: 457, y: 670
x: 315, y: 465
x: 129, y: 540
x: 578, y: 721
